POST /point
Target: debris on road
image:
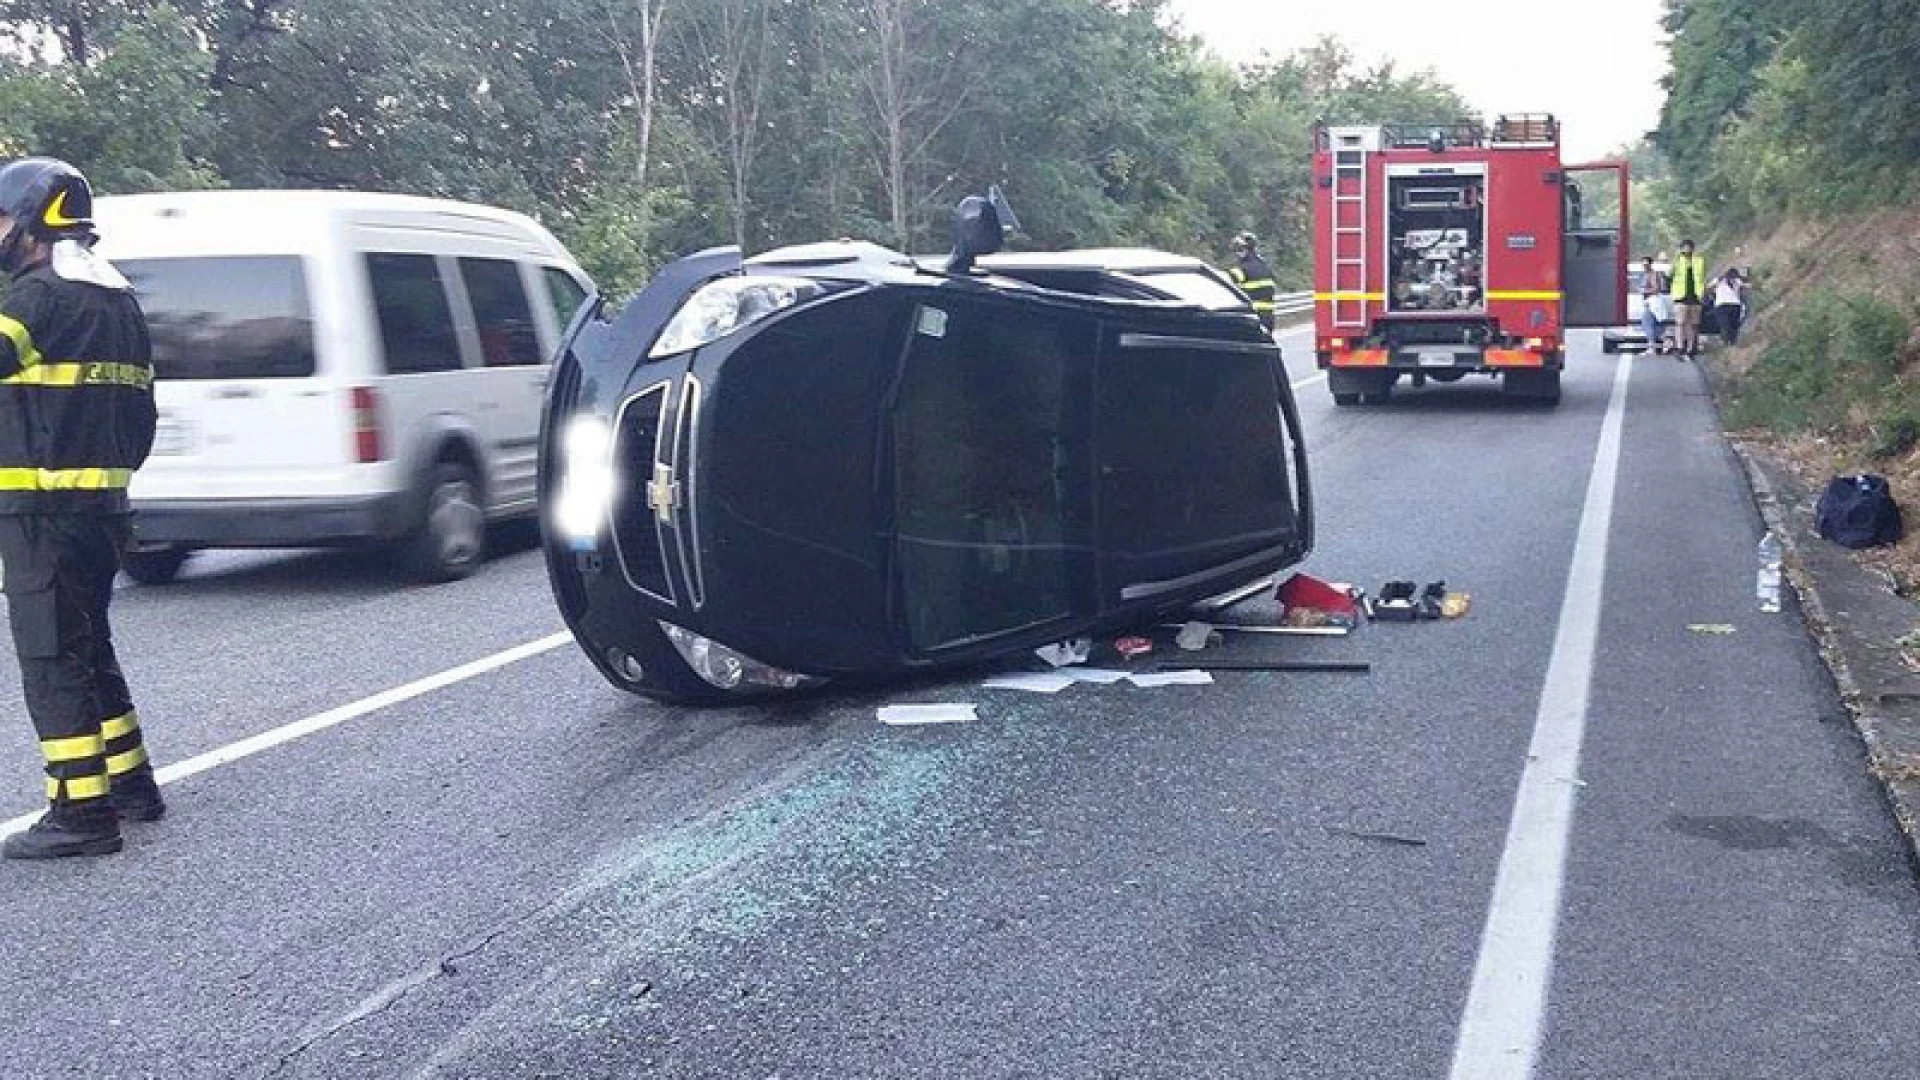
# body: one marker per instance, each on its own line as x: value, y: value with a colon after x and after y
x: 1033, y: 682
x: 1131, y: 647
x: 1286, y: 665
x: 1455, y: 605
x: 910, y: 715
x: 1385, y: 838
x: 1195, y: 636
x: 1396, y: 602
x: 1307, y: 601
x: 1184, y: 677
x: 1063, y: 653
x: 1709, y: 628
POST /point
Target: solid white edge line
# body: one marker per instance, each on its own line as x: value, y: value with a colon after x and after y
x: 300, y: 729
x: 1504, y: 1021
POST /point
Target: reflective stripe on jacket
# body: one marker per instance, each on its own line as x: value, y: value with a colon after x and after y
x: 77, y: 413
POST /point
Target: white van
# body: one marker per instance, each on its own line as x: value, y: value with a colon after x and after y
x: 338, y: 367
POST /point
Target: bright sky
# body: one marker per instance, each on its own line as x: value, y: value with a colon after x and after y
x: 1598, y: 70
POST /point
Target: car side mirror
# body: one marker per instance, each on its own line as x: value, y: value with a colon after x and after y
x: 980, y: 227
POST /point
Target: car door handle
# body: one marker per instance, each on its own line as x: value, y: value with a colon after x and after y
x: 236, y: 392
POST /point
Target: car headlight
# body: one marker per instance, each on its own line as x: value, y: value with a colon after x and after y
x: 727, y: 304
x: 725, y: 669
x: 587, y: 480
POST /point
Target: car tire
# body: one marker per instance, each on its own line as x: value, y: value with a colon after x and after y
x: 156, y: 567
x: 450, y: 542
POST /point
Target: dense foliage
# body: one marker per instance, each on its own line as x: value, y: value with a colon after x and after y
x: 1782, y: 106
x: 639, y: 129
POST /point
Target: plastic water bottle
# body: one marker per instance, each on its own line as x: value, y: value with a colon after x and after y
x: 1768, y: 587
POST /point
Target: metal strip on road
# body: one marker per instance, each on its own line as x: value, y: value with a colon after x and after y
x: 300, y: 729
x: 1505, y: 1017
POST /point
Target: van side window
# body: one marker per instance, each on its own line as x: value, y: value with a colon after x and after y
x: 567, y: 295
x: 501, y: 313
x: 416, y: 325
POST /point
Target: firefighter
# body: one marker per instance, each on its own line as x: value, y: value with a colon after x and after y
x: 1254, y: 277
x: 76, y: 419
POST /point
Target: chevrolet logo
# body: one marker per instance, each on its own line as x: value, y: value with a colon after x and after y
x: 663, y: 494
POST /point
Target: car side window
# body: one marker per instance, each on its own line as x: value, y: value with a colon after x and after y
x: 501, y: 314
x: 566, y: 293
x: 416, y: 323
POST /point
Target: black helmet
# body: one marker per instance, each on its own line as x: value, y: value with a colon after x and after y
x: 1246, y: 241
x: 46, y: 197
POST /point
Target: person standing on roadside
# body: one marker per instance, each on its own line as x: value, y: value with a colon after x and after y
x: 1730, y: 305
x: 1689, y: 296
x: 1653, y: 289
x: 77, y: 418
x: 1254, y: 277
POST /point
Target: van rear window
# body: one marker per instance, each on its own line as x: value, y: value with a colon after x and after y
x: 226, y: 317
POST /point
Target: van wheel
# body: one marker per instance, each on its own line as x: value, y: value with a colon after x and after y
x: 157, y: 567
x: 452, y: 538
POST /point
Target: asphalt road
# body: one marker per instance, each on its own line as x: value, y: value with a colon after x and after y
x: 525, y: 873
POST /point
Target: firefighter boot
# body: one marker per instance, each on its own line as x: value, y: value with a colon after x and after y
x: 69, y: 828
x: 136, y: 797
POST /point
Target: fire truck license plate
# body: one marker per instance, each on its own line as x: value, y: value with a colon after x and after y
x: 1436, y: 359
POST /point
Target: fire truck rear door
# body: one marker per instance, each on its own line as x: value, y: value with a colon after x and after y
x: 1593, y: 276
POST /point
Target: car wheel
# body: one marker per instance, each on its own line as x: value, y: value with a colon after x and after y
x: 157, y: 567
x: 452, y: 538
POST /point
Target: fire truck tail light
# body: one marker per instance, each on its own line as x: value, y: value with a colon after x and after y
x: 1536, y: 343
x: 365, y: 403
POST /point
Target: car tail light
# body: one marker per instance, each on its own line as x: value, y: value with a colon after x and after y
x: 366, y: 424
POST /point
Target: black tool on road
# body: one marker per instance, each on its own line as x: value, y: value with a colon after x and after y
x: 1396, y: 602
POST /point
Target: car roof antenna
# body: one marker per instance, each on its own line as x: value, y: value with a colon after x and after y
x: 980, y: 226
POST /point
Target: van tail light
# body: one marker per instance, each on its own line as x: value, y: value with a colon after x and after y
x: 366, y: 424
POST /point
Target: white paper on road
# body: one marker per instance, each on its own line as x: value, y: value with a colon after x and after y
x: 908, y: 715
x: 1151, y: 679
x: 1033, y: 682
x: 1097, y: 676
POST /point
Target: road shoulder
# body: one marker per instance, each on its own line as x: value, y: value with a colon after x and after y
x: 1856, y: 620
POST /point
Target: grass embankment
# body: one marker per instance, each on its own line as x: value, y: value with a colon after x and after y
x: 1828, y: 373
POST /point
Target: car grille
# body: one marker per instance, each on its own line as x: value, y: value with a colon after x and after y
x: 636, y: 535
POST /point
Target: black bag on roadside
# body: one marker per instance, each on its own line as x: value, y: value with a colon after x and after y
x: 1858, y: 512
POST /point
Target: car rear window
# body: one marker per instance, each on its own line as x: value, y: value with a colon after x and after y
x: 228, y: 317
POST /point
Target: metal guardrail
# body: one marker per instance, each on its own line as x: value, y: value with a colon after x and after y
x: 1293, y: 303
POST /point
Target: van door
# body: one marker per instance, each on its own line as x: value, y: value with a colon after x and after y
x: 245, y: 411
x: 1594, y: 258
x: 512, y: 377
x: 425, y: 384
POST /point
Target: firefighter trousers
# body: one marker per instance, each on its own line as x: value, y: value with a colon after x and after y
x: 59, y: 571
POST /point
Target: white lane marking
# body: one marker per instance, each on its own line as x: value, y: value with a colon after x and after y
x: 1505, y: 1017
x: 300, y: 729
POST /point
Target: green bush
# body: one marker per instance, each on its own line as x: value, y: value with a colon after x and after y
x: 1838, y: 356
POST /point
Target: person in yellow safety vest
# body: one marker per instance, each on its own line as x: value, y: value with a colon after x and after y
x: 1689, y: 281
x: 77, y: 418
x: 1253, y: 276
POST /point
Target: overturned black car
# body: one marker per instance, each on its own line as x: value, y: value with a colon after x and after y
x: 836, y: 463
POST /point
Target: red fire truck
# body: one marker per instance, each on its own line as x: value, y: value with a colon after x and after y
x: 1452, y: 250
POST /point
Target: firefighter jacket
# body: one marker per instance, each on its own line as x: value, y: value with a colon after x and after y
x: 1690, y: 270
x: 77, y: 413
x: 1255, y: 278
